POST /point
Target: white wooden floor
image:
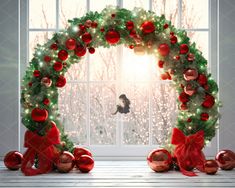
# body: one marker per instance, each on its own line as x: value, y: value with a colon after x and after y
x: 116, y: 174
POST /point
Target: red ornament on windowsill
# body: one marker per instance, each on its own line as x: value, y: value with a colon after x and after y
x: 13, y: 160
x: 85, y: 163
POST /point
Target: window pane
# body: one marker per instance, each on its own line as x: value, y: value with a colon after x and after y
x: 130, y: 4
x: 195, y: 14
x: 136, y: 123
x: 101, y: 4
x: 102, y: 122
x: 164, y: 110
x: 70, y: 9
x: 73, y: 111
x: 168, y: 8
x: 42, y: 13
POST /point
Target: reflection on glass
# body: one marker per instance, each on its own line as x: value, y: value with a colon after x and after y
x: 99, y: 5
x: 130, y: 4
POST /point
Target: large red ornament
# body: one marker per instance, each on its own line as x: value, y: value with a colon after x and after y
x: 204, y: 116
x: 226, y: 159
x: 70, y: 44
x: 80, y: 51
x: 164, y: 49
x: 58, y: 66
x: 87, y: 38
x: 209, y: 101
x: 211, y: 167
x: 190, y: 74
x: 47, y: 59
x: 129, y: 25
x: 61, y: 81
x: 147, y: 27
x: 202, y: 79
x: 112, y: 37
x: 85, y: 163
x: 39, y: 115
x: 159, y: 160
x: 183, y: 97
x: 36, y: 73
x: 79, y: 151
x: 62, y: 55
x: 65, y: 162
x: 13, y: 159
x: 188, y: 89
x: 184, y: 49
x: 173, y: 39
x: 46, y: 81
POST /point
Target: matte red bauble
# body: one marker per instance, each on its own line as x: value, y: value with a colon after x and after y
x: 202, y: 79
x: 80, y: 51
x: 209, y: 101
x: 61, y: 81
x: 62, y: 55
x: 85, y: 163
x: 79, y: 151
x: 112, y: 37
x: 188, y: 89
x: 88, y: 23
x: 190, y: 74
x: 46, y: 101
x: 47, y: 59
x: 91, y: 50
x: 184, y: 49
x: 54, y: 46
x: 70, y: 44
x: 159, y: 160
x: 46, y: 81
x: 211, y: 167
x: 183, y: 97
x: 160, y: 63
x: 147, y: 27
x: 13, y: 159
x: 164, y: 49
x: 65, y: 162
x: 36, y: 73
x: 129, y: 25
x: 87, y: 38
x: 226, y: 159
x: 204, y: 116
x: 39, y: 115
x: 190, y: 57
x: 173, y: 39
x: 58, y: 66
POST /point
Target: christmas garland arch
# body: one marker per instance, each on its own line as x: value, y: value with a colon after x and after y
x: 138, y: 30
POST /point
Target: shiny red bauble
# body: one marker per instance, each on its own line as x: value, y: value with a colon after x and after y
x: 80, y: 51
x: 36, y: 73
x: 226, y: 159
x: 46, y: 101
x: 54, y: 46
x: 160, y: 63
x: 129, y: 25
x: 210, y: 167
x: 112, y: 37
x: 202, y: 79
x: 87, y: 38
x: 58, y: 66
x: 184, y: 49
x: 70, y: 44
x: 39, y: 115
x: 62, y: 55
x: 91, y: 50
x: 85, y: 163
x: 147, y: 27
x: 183, y: 97
x: 13, y: 159
x: 209, y: 101
x: 47, y: 59
x: 164, y: 49
x: 159, y: 160
x: 79, y: 151
x: 65, y: 162
x: 173, y: 39
x: 204, y: 116
x: 61, y: 81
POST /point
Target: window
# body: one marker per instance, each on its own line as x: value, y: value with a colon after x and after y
x: 94, y: 84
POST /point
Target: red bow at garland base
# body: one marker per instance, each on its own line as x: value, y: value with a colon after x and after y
x: 188, y: 151
x: 42, y: 147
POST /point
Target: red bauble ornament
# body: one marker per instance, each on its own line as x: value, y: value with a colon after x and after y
x: 129, y: 25
x: 13, y: 159
x: 58, y: 66
x: 88, y: 23
x: 173, y: 39
x: 188, y: 89
x: 184, y: 49
x: 165, y: 26
x: 147, y: 27
x: 85, y: 163
x: 226, y: 159
x: 94, y: 24
x: 132, y: 33
x: 159, y: 160
x: 204, y: 116
x: 102, y: 29
x: 190, y: 57
x: 177, y: 57
x: 70, y: 44
x: 131, y: 46
x: 190, y: 74
x: 62, y: 55
x: 54, y: 46
x: 183, y: 106
x: 46, y: 101
x: 164, y: 49
x: 80, y: 51
x: 61, y: 81
x: 202, y: 79
x: 211, y: 167
x: 112, y: 37
x: 36, y: 73
x: 65, y: 162
x: 82, y: 27
x: 79, y: 151
x: 209, y: 101
x: 160, y: 63
x: 91, y: 50
x: 164, y: 76
x: 87, y: 38
x: 183, y: 97
x: 39, y: 115
x: 47, y: 59
x: 46, y: 81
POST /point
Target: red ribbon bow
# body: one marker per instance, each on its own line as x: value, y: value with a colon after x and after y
x: 188, y: 151
x: 43, y: 147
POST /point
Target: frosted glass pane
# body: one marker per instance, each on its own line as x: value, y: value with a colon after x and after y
x: 130, y: 4
x: 70, y: 9
x: 73, y: 111
x: 103, y: 64
x: 99, y: 5
x: 136, y: 123
x: 164, y: 112
x: 102, y: 122
x: 42, y: 13
x: 169, y: 8
x: 195, y: 14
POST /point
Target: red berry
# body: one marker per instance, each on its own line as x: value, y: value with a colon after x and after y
x: 129, y: 25
x: 172, y: 33
x: 94, y: 24
x: 46, y: 101
x: 102, y: 29
x: 91, y: 50
x: 131, y: 46
x: 204, y: 116
x: 113, y: 15
x: 30, y: 84
x: 47, y: 59
x: 54, y: 46
x: 82, y: 27
x: 189, y: 120
x: 36, y: 73
x: 165, y: 26
x: 160, y: 63
x: 177, y: 57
